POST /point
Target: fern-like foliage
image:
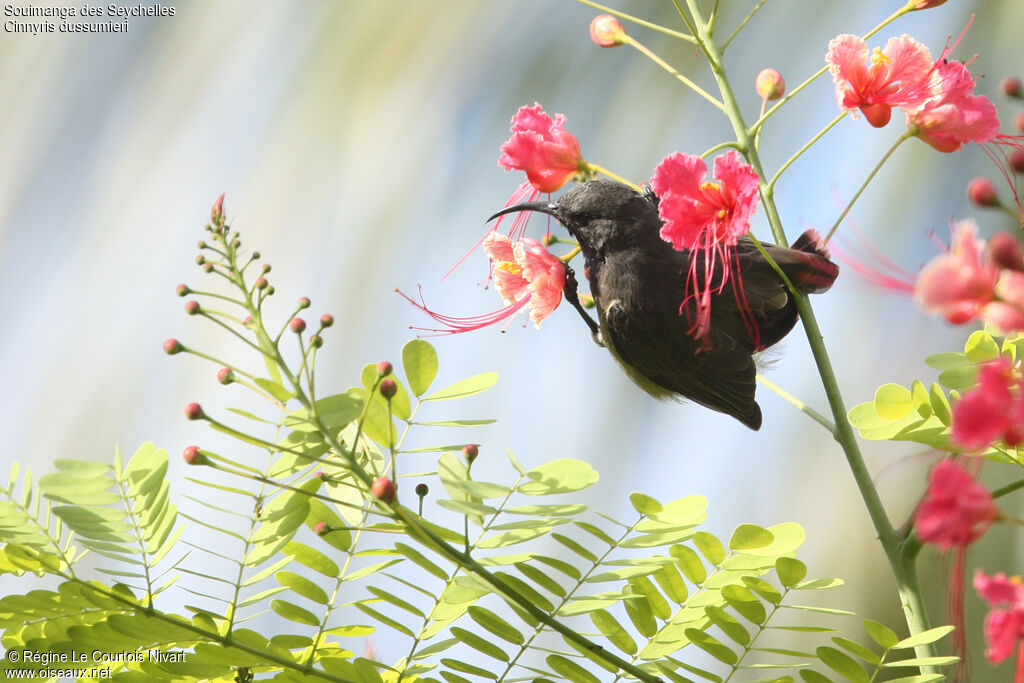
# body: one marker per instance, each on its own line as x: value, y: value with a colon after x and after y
x: 490, y: 582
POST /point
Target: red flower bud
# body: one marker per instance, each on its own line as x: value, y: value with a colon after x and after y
x: 217, y: 210
x: 471, y: 450
x: 247, y: 320
x: 388, y: 388
x: 770, y: 84
x: 192, y: 307
x: 606, y: 31
x: 304, y: 302
x: 982, y: 192
x: 383, y: 489
x: 316, y: 341
x: 172, y: 346
x: 1006, y: 251
x: 192, y: 456
x: 320, y: 528
x: 422, y: 490
x: 326, y: 320
x: 225, y: 376
x: 182, y: 290
x: 1017, y: 160
x: 265, y: 268
x: 384, y: 368
x: 260, y: 283
x: 200, y: 260
x: 297, y: 325
x: 1018, y: 121
x: 926, y: 4
x: 194, y: 411
x: 1012, y: 86
x: 208, y: 267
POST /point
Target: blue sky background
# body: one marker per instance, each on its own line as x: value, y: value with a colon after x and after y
x: 357, y: 144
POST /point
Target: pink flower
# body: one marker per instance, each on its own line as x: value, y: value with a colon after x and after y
x: 956, y: 510
x: 526, y: 270
x: 543, y: 148
x: 525, y: 274
x: 1004, y: 625
x: 700, y: 214
x: 961, y: 282
x: 953, y: 115
x: 896, y: 77
x: 993, y: 410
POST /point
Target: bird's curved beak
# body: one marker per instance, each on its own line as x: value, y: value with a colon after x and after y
x: 550, y: 208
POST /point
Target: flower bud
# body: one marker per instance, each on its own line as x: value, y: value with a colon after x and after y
x: 235, y: 243
x: 182, y: 290
x: 924, y: 4
x: 217, y: 210
x: 383, y: 489
x: 606, y: 31
x: 388, y: 388
x: 982, y: 192
x: 1018, y: 121
x: 422, y: 490
x: 320, y: 528
x: 255, y: 255
x: 297, y: 325
x: 192, y: 456
x: 260, y: 283
x: 192, y: 307
x: 548, y: 239
x: 326, y: 320
x: 225, y: 376
x: 208, y: 267
x: 200, y: 260
x: 770, y: 84
x: 384, y: 368
x: 247, y: 320
x: 265, y: 268
x: 304, y: 302
x: 201, y: 244
x: 321, y: 475
x: 1017, y: 160
x: 194, y: 411
x: 470, y: 450
x: 172, y: 346
x: 316, y: 341
x: 1012, y: 86
x: 270, y: 290
x: 1006, y: 251
x: 587, y: 300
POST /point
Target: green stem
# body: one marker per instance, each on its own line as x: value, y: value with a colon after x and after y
x: 902, y: 568
x: 807, y: 146
x: 594, y: 168
x: 746, y: 19
x: 867, y: 181
x: 629, y: 40
x: 800, y: 405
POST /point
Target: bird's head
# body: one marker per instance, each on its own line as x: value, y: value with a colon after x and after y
x: 597, y: 213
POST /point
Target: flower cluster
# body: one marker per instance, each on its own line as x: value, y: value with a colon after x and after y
x: 993, y: 410
x: 937, y: 96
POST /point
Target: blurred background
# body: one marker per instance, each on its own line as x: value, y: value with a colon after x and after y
x: 357, y: 143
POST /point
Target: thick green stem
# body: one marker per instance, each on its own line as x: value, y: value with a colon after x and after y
x: 902, y: 567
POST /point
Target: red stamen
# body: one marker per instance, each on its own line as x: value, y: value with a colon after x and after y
x: 524, y: 193
x: 457, y: 325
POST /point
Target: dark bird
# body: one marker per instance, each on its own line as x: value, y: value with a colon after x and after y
x: 645, y: 311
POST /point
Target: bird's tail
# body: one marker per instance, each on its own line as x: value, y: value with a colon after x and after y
x: 808, y: 264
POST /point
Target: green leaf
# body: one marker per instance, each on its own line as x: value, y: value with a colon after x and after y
x: 818, y: 584
x: 923, y: 661
x: 960, y: 379
x: 981, y: 347
x: 313, y: 559
x: 456, y: 423
x: 814, y: 677
x: 924, y: 638
x: 564, y: 475
x: 547, y: 510
x: 395, y: 600
x: 671, y: 583
x: 569, y: 669
x: 467, y: 668
x: 417, y: 558
x: 84, y: 469
x: 467, y: 507
x: 463, y: 388
x: 659, y: 606
x: 495, y: 624
x: 689, y: 563
x: 338, y: 537
x: 790, y: 571
x: 920, y: 678
x: 479, y: 644
x: 575, y: 547
x: 745, y: 603
x: 712, y: 646
x: 710, y: 547
x: 644, y: 504
x: 384, y: 619
x: 842, y: 664
x: 483, y: 489
x: 730, y: 627
x: 893, y: 401
x: 611, y: 629
x: 419, y: 360
x: 749, y: 537
x: 293, y: 612
x: 564, y: 567
x: 274, y: 389
x: 881, y: 634
x: 940, y: 404
x: 334, y: 412
x: 857, y: 649
x: 540, y: 578
x: 303, y: 586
